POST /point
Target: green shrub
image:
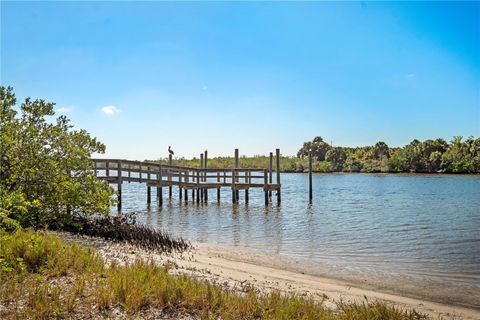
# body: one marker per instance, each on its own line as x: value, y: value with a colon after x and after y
x: 46, y: 173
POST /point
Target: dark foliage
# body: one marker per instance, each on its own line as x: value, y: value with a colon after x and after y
x: 429, y: 156
x: 123, y: 228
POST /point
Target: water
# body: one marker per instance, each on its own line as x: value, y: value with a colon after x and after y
x: 409, y: 229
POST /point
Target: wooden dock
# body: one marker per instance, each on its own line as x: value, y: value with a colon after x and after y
x: 189, y: 179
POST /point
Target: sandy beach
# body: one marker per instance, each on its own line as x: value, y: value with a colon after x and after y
x: 246, y: 270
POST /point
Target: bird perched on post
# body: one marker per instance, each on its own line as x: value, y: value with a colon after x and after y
x: 170, y: 151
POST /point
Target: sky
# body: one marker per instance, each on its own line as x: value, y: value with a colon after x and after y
x: 142, y: 76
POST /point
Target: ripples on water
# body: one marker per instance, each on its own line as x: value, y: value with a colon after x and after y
x: 425, y: 227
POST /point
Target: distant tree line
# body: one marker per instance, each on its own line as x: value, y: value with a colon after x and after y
x: 429, y: 156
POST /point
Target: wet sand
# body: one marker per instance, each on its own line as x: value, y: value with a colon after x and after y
x: 246, y: 270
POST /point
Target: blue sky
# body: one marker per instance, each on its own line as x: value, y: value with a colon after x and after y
x: 145, y: 75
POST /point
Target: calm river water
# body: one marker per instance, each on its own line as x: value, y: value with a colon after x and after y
x: 413, y: 227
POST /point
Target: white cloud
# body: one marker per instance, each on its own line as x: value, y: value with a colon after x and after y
x: 411, y: 76
x: 204, y: 87
x: 64, y: 110
x: 110, y: 110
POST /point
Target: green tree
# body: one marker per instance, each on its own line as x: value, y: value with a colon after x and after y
x: 399, y: 160
x: 430, y: 153
x: 336, y: 156
x: 380, y: 150
x: 318, y: 147
x: 48, y: 163
x: 458, y: 157
x: 353, y: 163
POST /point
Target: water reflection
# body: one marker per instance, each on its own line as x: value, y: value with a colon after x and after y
x: 424, y: 227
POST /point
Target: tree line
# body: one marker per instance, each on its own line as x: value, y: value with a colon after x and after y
x: 429, y: 156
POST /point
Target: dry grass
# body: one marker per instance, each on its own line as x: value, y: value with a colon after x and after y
x: 43, y: 277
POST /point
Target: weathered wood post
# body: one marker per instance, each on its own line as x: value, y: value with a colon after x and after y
x: 119, y: 185
x: 265, y: 185
x: 169, y: 177
x: 279, y: 196
x: 149, y: 189
x: 247, y: 174
x: 310, y: 192
x: 201, y: 176
x: 237, y: 193
x: 198, y: 185
x: 205, y: 175
x: 159, y: 185
x: 180, y: 190
x: 234, y: 191
x: 186, y: 182
x: 107, y: 171
x: 218, y: 189
x: 270, y: 174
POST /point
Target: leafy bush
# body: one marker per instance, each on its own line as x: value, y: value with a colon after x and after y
x: 13, y: 209
x: 46, y: 174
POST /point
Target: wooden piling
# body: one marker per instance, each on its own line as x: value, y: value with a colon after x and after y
x: 218, y: 189
x: 310, y: 191
x: 159, y: 185
x: 205, y: 175
x: 169, y: 177
x: 119, y: 185
x: 234, y: 190
x: 279, y: 197
x: 198, y: 186
x: 265, y: 187
x: 237, y: 165
x: 201, y: 176
x: 180, y: 189
x: 186, y: 190
x: 247, y: 181
x: 270, y: 175
x: 149, y: 189
x: 107, y: 170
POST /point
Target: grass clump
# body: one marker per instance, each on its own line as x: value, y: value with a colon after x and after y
x: 44, y: 277
x: 41, y: 252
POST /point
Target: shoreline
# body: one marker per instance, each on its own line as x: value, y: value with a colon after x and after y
x: 406, y: 286
x: 246, y: 270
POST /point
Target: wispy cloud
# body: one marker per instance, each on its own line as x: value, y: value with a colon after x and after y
x: 411, y: 76
x: 64, y: 110
x: 110, y: 110
x: 204, y: 87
